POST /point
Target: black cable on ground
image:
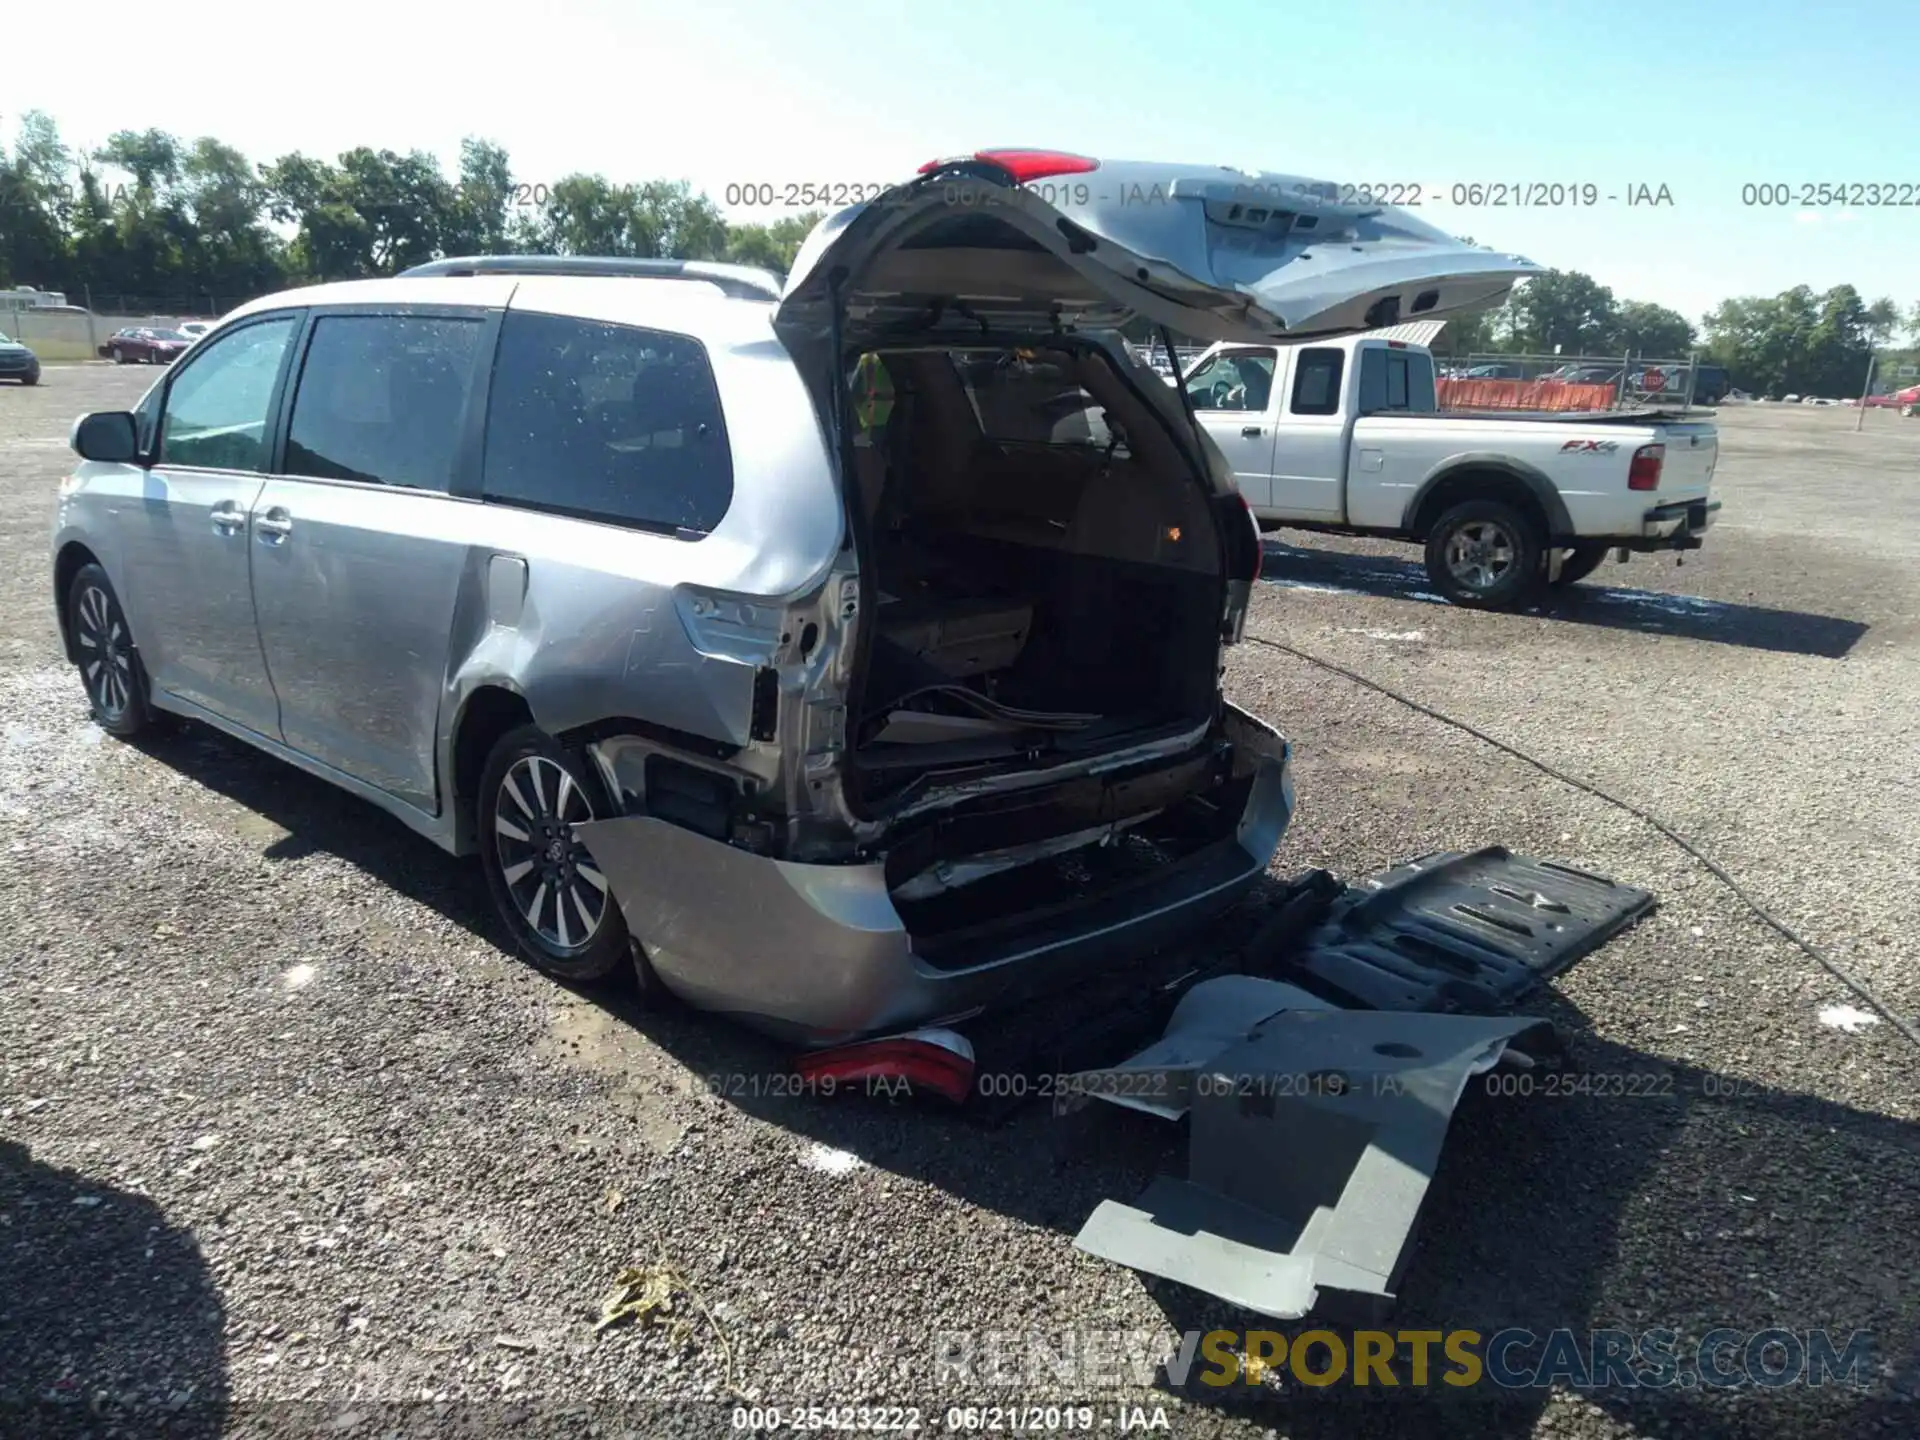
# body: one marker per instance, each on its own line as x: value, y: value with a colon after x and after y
x: 1827, y: 963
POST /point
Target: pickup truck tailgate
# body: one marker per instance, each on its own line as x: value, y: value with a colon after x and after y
x: 1693, y: 449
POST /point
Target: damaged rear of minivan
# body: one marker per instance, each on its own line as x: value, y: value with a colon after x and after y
x: 992, y: 750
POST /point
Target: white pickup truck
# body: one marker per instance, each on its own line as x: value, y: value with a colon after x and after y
x: 1344, y: 436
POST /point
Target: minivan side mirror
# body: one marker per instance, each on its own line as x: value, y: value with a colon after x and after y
x: 108, y: 436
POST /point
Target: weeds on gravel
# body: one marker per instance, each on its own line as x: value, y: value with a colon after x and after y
x: 648, y: 1293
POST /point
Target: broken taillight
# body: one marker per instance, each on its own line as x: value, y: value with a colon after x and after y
x: 1644, y: 472
x: 1023, y: 165
x: 938, y: 1061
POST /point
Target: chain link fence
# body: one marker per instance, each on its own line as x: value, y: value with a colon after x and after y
x: 1575, y: 382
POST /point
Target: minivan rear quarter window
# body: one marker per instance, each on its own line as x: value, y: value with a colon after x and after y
x: 608, y: 422
x: 381, y: 399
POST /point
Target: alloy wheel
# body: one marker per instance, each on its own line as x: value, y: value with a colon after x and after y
x: 549, y: 874
x: 1480, y: 553
x: 106, y: 659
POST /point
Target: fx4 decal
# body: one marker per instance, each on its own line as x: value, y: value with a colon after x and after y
x: 1590, y: 447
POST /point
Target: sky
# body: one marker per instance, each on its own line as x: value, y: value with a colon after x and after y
x: 1704, y: 101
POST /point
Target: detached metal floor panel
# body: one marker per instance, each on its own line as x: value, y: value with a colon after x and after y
x: 1468, y: 931
x: 1315, y: 1135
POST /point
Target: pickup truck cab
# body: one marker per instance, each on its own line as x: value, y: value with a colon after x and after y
x: 1345, y: 436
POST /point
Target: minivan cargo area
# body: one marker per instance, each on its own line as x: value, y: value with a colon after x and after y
x: 1044, y: 566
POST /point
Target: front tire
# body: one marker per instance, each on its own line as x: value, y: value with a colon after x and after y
x: 119, y: 356
x: 1485, y: 554
x: 545, y: 886
x: 110, y: 668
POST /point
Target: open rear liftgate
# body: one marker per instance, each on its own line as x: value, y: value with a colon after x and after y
x: 1316, y: 1127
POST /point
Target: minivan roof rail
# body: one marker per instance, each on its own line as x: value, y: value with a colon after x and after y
x: 741, y: 282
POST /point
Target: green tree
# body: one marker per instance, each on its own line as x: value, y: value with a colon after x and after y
x: 1651, y: 330
x: 659, y: 219
x: 480, y: 217
x: 1883, y: 322
x: 36, y: 202
x: 1567, y: 310
x: 772, y: 247
x: 1795, y: 342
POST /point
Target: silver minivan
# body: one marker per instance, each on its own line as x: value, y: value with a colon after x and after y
x: 844, y: 655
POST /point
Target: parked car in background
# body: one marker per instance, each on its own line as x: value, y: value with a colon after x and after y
x: 1712, y: 385
x: 145, y: 345
x: 1496, y: 370
x: 587, y: 567
x: 17, y: 362
x: 1587, y: 375
x: 194, y: 329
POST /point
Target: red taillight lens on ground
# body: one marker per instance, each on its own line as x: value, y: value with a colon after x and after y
x: 937, y: 1061
x: 1644, y: 472
x: 1024, y: 165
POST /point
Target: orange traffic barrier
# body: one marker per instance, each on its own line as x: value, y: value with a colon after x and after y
x: 1458, y: 394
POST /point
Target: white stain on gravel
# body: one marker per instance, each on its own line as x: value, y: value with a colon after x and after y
x: 829, y: 1161
x: 1400, y: 635
x: 298, y: 977
x: 1850, y: 1018
x: 50, y: 756
x: 1315, y: 589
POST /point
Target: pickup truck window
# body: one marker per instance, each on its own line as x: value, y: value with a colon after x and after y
x: 1233, y: 380
x: 1316, y: 382
x: 1396, y: 380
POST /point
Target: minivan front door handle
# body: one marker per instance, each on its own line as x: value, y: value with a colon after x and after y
x: 228, y: 517
x: 1250, y: 431
x: 275, y: 525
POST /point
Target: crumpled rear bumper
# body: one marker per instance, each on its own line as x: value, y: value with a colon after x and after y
x: 818, y: 954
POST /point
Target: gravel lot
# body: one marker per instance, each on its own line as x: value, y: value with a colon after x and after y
x: 281, y: 1122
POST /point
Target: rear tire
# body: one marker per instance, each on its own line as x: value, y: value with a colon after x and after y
x: 110, y: 668
x: 562, y: 914
x: 1485, y: 555
x: 1582, y: 560
x: 32, y: 378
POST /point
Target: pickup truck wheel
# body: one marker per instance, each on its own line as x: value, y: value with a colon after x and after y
x: 544, y: 884
x: 1484, y: 554
x: 1582, y: 560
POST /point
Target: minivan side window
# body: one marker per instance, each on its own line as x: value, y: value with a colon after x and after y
x: 381, y: 398
x: 1316, y: 382
x: 608, y: 422
x: 215, y: 414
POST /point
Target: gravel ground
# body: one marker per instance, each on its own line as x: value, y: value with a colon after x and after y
x: 281, y: 1126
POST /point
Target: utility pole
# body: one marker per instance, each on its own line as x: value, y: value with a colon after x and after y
x: 1866, y: 389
